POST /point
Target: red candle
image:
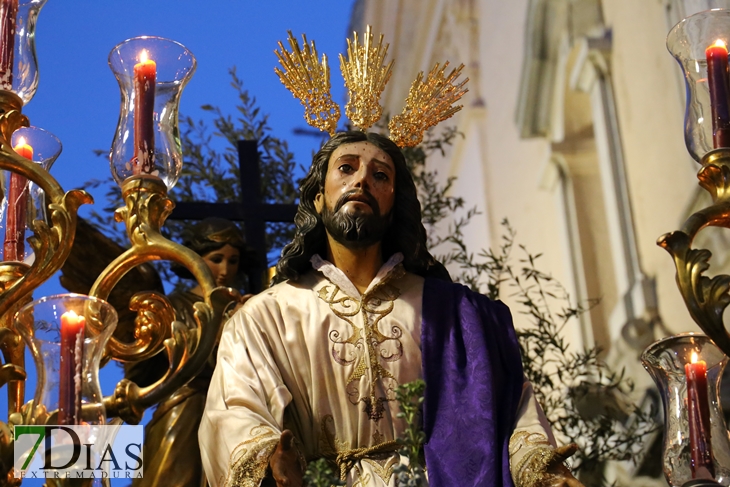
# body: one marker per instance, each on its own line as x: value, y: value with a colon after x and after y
x: 14, y: 245
x: 145, y: 77
x: 8, y: 15
x: 72, y: 347
x: 698, y: 410
x: 717, y: 81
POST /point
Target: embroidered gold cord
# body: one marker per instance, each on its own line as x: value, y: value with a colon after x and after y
x: 346, y: 459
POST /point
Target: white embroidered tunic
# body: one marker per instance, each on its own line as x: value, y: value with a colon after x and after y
x: 317, y: 357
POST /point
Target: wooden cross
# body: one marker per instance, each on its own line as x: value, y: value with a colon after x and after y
x: 249, y: 210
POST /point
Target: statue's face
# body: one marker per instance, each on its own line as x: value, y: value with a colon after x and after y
x: 360, y: 179
x: 223, y: 263
x: 359, y: 192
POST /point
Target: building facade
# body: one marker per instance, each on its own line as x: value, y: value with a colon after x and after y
x: 573, y: 131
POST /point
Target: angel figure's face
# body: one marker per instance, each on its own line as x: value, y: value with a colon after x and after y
x: 223, y: 263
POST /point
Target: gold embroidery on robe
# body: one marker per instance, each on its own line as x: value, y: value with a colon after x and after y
x: 252, y: 458
x: 525, y: 438
x: 378, y: 437
x: 366, y: 346
x: 362, y: 480
x: 531, y: 470
x: 383, y: 467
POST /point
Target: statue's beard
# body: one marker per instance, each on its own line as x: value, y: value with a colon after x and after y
x: 355, y: 229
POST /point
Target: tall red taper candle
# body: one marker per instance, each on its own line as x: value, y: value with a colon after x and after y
x: 717, y: 80
x: 145, y: 77
x: 8, y: 15
x: 14, y: 244
x: 72, y: 348
x: 698, y: 410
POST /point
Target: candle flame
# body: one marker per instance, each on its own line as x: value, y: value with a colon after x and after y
x: 143, y: 56
x: 21, y: 141
x: 720, y: 43
x: 694, y: 358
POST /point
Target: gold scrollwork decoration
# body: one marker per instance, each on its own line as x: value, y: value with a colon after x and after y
x: 154, y: 318
x: 11, y: 116
x: 51, y: 244
x: 122, y: 403
x: 7, y: 476
x: 12, y: 372
x: 187, y: 351
x: 716, y: 180
x: 146, y: 206
x: 706, y: 297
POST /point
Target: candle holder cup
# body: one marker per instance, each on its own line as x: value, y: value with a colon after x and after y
x: 17, y: 48
x: 666, y: 362
x: 45, y: 148
x: 691, y: 42
x: 153, y: 91
x: 41, y: 324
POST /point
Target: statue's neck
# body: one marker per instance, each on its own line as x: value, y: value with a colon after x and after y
x: 360, y: 265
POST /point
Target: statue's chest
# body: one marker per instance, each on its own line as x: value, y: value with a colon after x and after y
x: 369, y: 345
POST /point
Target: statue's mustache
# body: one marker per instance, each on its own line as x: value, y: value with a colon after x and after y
x: 358, y: 195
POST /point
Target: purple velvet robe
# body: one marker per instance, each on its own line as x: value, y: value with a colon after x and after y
x: 473, y: 374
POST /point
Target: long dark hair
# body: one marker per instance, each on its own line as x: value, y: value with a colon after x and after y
x: 406, y: 233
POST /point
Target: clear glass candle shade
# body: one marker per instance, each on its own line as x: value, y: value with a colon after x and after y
x: 149, y: 89
x: 688, y: 42
x: 22, y: 197
x: 665, y: 360
x: 18, y: 62
x: 57, y: 348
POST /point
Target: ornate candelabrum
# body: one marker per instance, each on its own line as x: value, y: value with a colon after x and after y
x: 146, y: 160
x: 687, y: 368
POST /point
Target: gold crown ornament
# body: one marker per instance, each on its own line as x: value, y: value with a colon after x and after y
x: 366, y: 74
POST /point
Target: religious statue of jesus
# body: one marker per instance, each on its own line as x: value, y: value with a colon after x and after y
x: 309, y: 368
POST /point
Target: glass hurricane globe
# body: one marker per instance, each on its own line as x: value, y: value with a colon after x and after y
x: 688, y: 42
x: 152, y: 72
x: 67, y: 389
x: 666, y: 362
x: 22, y: 78
x: 45, y: 148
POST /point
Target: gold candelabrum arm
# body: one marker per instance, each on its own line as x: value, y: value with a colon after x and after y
x: 146, y: 208
x: 706, y: 297
x: 51, y: 244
